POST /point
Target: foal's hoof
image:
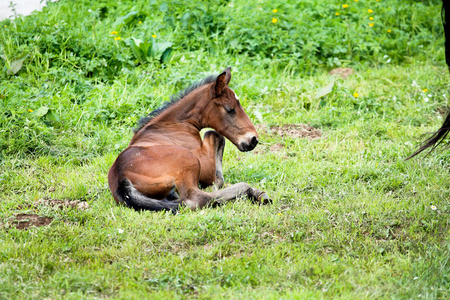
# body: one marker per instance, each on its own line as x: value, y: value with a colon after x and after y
x: 264, y: 199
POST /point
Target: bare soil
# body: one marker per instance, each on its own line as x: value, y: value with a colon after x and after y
x: 341, y: 72
x: 276, y: 147
x: 297, y: 131
x: 25, y: 221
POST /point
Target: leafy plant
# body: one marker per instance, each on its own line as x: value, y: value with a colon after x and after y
x: 16, y: 66
x: 46, y: 114
x: 148, y: 50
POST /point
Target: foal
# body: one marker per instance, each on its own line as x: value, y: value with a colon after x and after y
x: 167, y: 160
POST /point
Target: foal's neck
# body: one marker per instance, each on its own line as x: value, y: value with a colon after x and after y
x: 189, y: 110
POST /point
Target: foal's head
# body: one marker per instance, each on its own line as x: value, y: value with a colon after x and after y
x: 225, y: 114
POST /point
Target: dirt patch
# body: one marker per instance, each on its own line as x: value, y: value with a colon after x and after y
x: 25, y: 221
x: 60, y: 204
x: 276, y: 147
x: 341, y: 72
x: 297, y: 131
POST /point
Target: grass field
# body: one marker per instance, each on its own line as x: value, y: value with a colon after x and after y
x: 350, y: 219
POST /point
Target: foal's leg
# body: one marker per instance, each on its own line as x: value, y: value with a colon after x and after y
x: 210, y: 156
x: 237, y: 190
x: 198, y: 199
x: 219, y: 181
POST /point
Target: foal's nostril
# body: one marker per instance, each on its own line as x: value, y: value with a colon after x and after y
x: 254, y: 141
x: 248, y: 144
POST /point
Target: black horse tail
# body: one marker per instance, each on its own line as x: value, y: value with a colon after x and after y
x: 445, y: 15
x: 134, y: 199
x: 437, y: 137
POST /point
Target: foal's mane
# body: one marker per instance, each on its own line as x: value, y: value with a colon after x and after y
x: 174, y: 99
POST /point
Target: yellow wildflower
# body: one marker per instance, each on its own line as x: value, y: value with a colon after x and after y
x: 30, y: 110
x: 355, y: 94
x: 356, y: 0
x: 371, y: 24
x: 425, y: 90
x: 337, y: 14
x: 140, y: 22
x: 114, y: 32
x: 274, y: 20
x: 154, y: 36
x: 6, y: 26
x: 344, y: 5
x: 117, y: 38
x: 389, y: 30
x: 371, y: 18
x: 275, y: 10
x: 370, y: 11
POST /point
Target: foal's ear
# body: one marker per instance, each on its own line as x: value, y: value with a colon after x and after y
x: 228, y: 76
x: 222, y: 81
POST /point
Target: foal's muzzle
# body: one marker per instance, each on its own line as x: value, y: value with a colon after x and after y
x: 249, y: 145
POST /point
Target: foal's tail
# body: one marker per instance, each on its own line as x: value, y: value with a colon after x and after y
x: 436, y: 139
x: 134, y: 199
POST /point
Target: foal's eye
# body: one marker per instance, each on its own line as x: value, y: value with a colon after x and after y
x: 230, y: 110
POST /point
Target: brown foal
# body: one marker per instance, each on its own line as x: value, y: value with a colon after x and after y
x: 167, y: 160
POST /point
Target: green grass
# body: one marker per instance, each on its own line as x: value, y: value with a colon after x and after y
x: 350, y: 218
